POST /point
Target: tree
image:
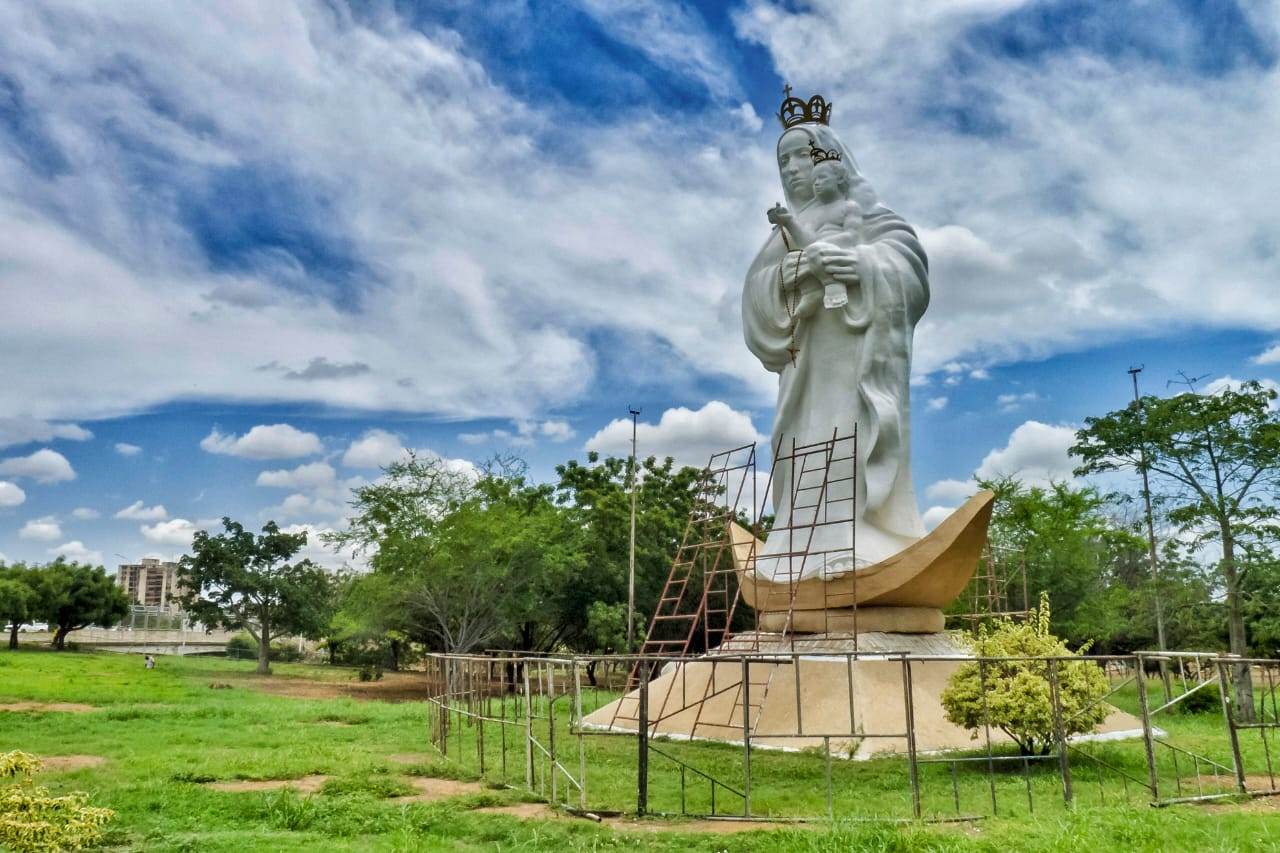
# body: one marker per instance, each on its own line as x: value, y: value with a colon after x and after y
x: 244, y: 581
x: 18, y: 598
x: 468, y: 557
x: 1071, y: 546
x: 1018, y: 694
x: 1218, y: 458
x: 596, y: 496
x: 71, y: 596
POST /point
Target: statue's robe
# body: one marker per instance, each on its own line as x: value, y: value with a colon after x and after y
x: 853, y: 365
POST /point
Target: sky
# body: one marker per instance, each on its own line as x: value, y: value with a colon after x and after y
x: 251, y: 252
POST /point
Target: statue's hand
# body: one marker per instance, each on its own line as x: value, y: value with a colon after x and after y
x: 832, y: 262
x: 779, y: 215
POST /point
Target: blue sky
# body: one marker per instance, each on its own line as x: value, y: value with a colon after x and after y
x: 469, y: 228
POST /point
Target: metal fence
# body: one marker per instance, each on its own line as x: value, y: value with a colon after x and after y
x: 562, y: 728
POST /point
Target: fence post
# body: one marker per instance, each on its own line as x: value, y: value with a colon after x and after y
x: 1148, y: 740
x: 1228, y: 711
x: 908, y: 702
x: 746, y: 734
x: 528, y: 727
x: 582, y: 752
x: 986, y: 727
x: 1059, y: 731
x: 642, y: 744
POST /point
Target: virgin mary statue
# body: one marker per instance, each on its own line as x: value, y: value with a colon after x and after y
x: 838, y: 366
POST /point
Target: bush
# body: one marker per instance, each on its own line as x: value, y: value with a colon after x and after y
x: 33, y: 820
x: 370, y: 672
x: 1206, y: 700
x: 1018, y: 694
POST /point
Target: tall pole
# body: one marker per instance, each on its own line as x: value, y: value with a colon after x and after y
x: 631, y: 551
x: 1151, y: 525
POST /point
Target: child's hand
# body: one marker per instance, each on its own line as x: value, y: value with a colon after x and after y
x: 779, y: 215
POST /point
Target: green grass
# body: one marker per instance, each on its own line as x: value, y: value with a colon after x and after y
x: 166, y: 731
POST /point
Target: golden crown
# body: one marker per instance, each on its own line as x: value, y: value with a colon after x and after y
x: 795, y: 111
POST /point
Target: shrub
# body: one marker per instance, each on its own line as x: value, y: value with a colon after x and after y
x: 1018, y: 694
x: 31, y: 819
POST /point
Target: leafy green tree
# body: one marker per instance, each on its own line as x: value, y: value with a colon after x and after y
x: 1217, y: 457
x: 469, y: 558
x: 596, y: 496
x: 1015, y: 696
x: 18, y: 598
x: 1072, y: 548
x: 244, y: 581
x: 71, y: 596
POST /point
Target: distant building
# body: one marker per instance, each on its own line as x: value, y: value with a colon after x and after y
x: 150, y: 583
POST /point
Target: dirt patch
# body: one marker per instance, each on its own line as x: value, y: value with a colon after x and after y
x: 542, y: 811
x: 1258, y: 782
x: 67, y: 763
x: 305, y: 785
x: 438, y: 789
x: 42, y: 707
x: 720, y: 827
x: 413, y: 757
x: 394, y: 687
x: 524, y: 811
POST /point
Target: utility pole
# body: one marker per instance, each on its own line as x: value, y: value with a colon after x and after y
x: 631, y: 552
x: 1151, y: 525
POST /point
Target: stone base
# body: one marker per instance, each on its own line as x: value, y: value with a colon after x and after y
x: 889, y: 620
x: 802, y: 688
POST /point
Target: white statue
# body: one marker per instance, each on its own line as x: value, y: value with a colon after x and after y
x: 830, y: 304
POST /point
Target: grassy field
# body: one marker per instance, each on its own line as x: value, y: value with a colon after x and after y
x: 167, y: 735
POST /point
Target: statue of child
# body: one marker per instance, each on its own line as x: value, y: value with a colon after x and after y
x: 838, y: 217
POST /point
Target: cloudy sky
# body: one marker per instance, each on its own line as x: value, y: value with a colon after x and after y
x: 250, y: 252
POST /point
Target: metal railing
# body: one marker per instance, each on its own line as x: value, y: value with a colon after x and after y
x: 527, y: 721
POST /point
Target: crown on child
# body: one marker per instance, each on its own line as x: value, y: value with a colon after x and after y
x: 795, y: 111
x: 821, y: 156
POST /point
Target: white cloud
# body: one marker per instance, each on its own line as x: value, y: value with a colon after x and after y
x: 935, y: 515
x: 1036, y: 455
x: 277, y: 441
x: 317, y: 552
x: 84, y: 513
x: 11, y: 494
x: 43, y: 466
x: 24, y: 430
x: 1223, y: 382
x: 299, y: 505
x: 980, y: 373
x: 76, y: 552
x: 45, y: 529
x: 126, y: 449
x: 936, y: 404
x: 377, y: 448
x: 526, y: 433
x: 1271, y: 355
x: 136, y: 511
x: 176, y: 532
x: 1013, y: 401
x: 313, y: 475
x: 687, y: 435
x: 951, y: 491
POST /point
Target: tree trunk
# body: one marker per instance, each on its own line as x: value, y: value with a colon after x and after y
x: 264, y: 650
x: 1237, y: 639
x: 60, y: 637
x: 13, y: 635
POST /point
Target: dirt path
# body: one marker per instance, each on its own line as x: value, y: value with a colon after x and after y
x: 42, y: 707
x: 394, y: 687
x: 305, y: 785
